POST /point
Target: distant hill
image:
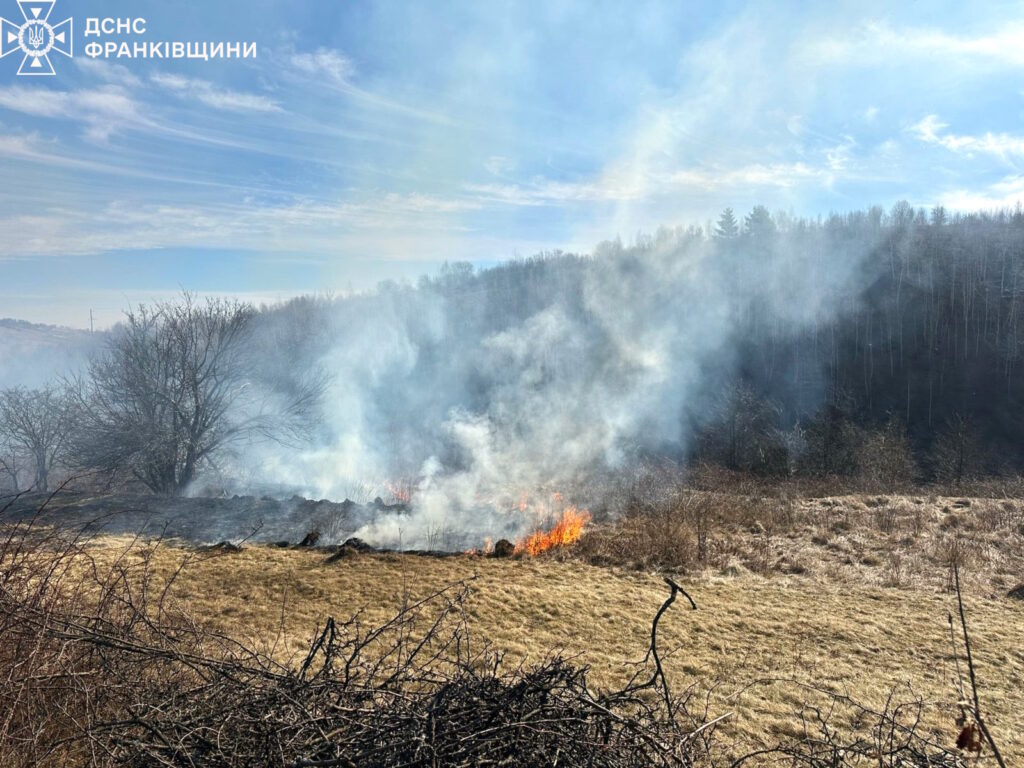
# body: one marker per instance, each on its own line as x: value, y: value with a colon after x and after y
x: 31, y: 354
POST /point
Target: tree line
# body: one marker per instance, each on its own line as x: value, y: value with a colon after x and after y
x: 879, y: 344
x: 920, y: 366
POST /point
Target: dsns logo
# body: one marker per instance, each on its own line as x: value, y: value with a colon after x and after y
x: 36, y: 37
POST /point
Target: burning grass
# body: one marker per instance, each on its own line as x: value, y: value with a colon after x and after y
x: 565, y: 532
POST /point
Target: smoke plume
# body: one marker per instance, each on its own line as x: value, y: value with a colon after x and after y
x: 486, y: 394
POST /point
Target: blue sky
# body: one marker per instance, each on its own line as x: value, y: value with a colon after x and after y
x: 374, y: 140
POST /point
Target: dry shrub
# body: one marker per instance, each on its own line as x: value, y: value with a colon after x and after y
x: 956, y: 554
x: 643, y: 539
x: 1005, y: 515
x: 884, y: 459
x: 665, y: 519
x: 896, y: 570
x: 54, y: 685
x: 885, y: 518
x: 887, y: 737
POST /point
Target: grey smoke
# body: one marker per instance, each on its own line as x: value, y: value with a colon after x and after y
x: 32, y: 355
x: 483, y: 402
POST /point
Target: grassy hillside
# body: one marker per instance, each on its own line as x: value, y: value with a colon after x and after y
x: 752, y: 648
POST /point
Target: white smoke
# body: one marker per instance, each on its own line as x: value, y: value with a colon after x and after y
x: 483, y: 403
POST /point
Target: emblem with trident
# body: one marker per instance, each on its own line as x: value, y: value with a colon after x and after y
x: 36, y: 37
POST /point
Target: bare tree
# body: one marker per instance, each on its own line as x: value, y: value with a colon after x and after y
x: 832, y: 441
x: 745, y: 436
x: 11, y: 466
x: 35, y: 429
x: 885, y: 461
x: 957, y: 455
x: 172, y: 389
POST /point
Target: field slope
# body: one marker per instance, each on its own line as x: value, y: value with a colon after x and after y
x: 751, y: 647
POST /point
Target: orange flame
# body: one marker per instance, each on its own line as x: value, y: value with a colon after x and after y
x: 400, y: 490
x: 487, y: 548
x: 566, y: 531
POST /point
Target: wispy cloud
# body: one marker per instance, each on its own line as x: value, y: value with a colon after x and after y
x: 207, y: 93
x: 879, y: 41
x: 324, y: 62
x: 1005, y: 193
x: 112, y: 110
x: 330, y: 68
x: 498, y: 165
x: 108, y: 72
x: 244, y: 225
x: 104, y: 110
x: 931, y: 130
x: 25, y: 147
x: 622, y: 187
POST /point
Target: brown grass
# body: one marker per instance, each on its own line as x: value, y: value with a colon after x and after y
x: 752, y: 643
x: 903, y: 541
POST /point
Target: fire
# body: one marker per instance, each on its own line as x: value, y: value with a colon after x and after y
x: 566, y: 531
x: 487, y: 549
x: 400, y: 490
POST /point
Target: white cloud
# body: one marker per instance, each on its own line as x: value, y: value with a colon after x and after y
x: 838, y: 157
x: 219, y: 98
x: 23, y: 147
x: 103, y: 110
x: 1003, y: 194
x: 302, y: 224
x: 324, y: 62
x: 626, y: 187
x: 931, y: 130
x: 878, y: 41
x: 497, y: 165
x: 117, y: 74
x: 329, y: 67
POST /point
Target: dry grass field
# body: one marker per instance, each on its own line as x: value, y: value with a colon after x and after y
x: 844, y: 621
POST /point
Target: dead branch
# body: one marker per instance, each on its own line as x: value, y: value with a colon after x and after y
x: 976, y: 708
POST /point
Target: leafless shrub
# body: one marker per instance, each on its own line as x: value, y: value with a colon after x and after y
x: 885, y: 518
x: 647, y: 539
x: 917, y: 520
x: 957, y: 554
x: 957, y: 454
x: 885, y: 460
x: 1006, y: 515
x: 888, y: 737
x: 895, y: 570
x: 692, y: 523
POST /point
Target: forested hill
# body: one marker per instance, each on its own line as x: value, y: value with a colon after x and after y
x: 930, y: 340
x: 31, y: 354
x: 813, y: 342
